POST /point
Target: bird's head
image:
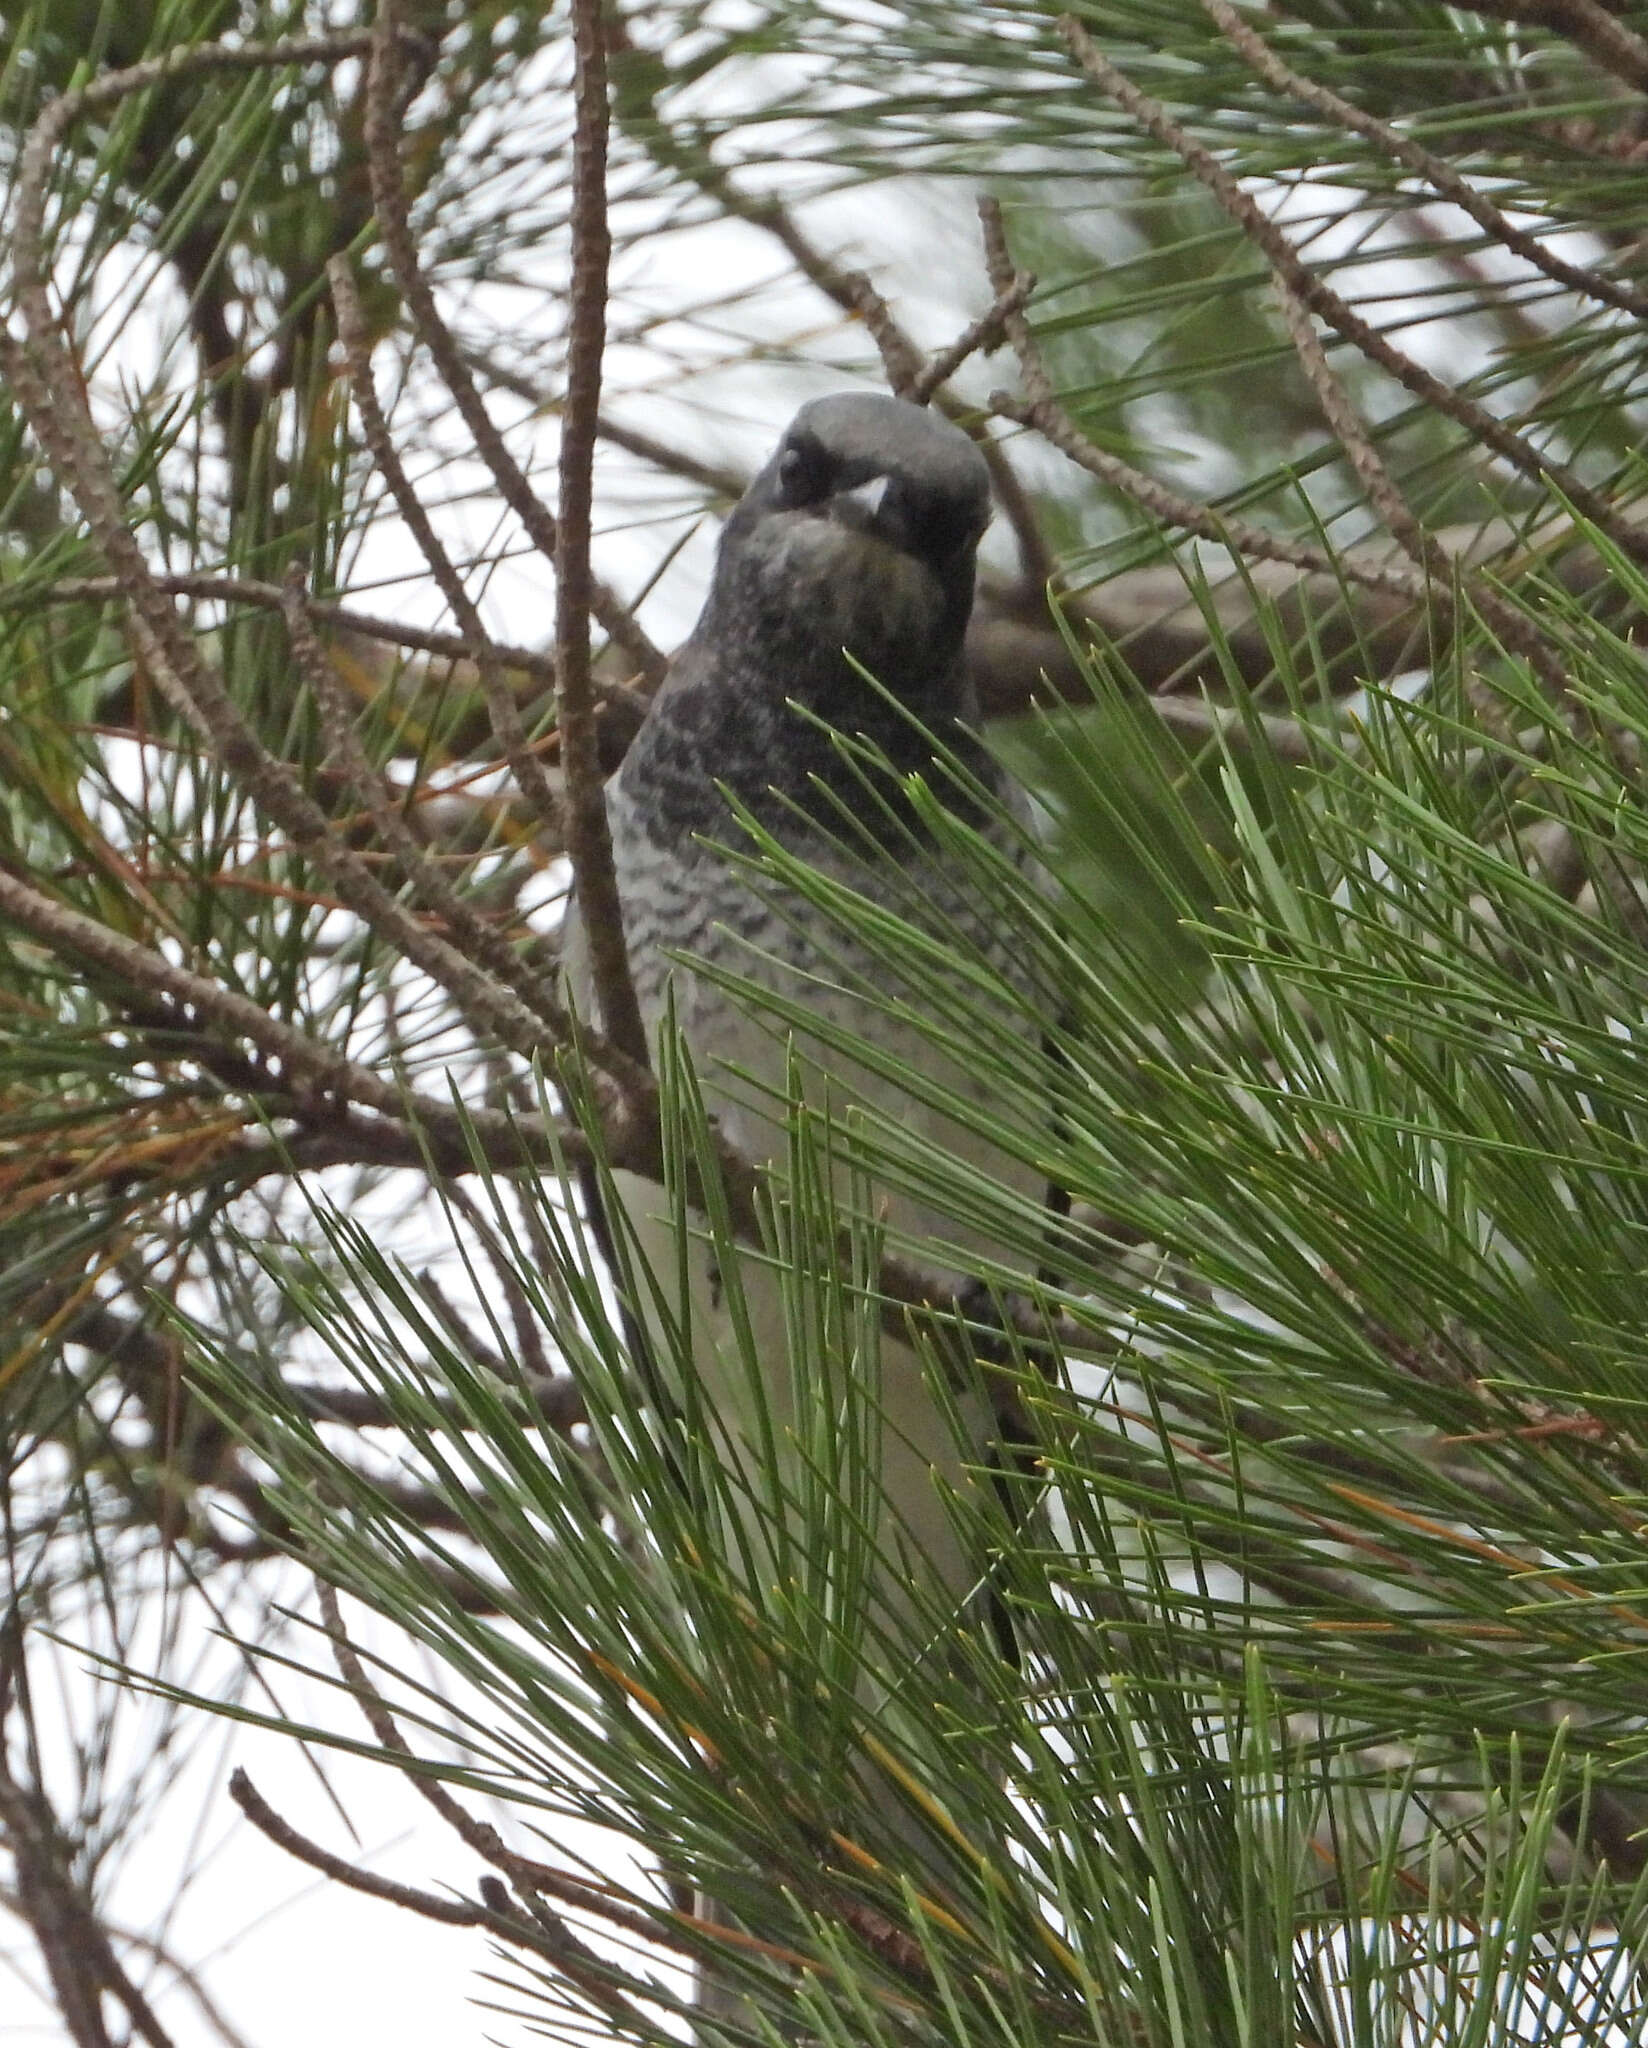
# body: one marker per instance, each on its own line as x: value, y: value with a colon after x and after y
x: 860, y: 535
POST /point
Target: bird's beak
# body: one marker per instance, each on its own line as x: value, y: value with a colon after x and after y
x: 873, y: 507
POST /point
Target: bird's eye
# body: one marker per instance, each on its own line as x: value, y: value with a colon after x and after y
x: 803, y: 475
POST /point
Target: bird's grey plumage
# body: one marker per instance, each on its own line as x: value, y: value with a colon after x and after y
x: 852, y: 552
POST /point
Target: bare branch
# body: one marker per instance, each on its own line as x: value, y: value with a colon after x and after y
x: 1440, y: 175
x: 1322, y: 300
x: 523, y: 1871
x: 1447, y: 575
x: 389, y: 200
x: 505, y: 713
x: 588, y: 841
x: 1039, y: 409
x: 621, y: 709
x: 982, y: 337
x: 79, y: 1957
x: 452, y: 1912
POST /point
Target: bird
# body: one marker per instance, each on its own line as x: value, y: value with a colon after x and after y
x: 839, y: 603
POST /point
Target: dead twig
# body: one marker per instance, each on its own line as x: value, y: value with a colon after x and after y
x: 505, y: 713
x: 479, y: 940
x: 526, y: 1872
x: 382, y: 136
x: 902, y: 365
x: 588, y: 842
x: 1040, y: 410
x: 1440, y: 175
x: 451, y: 1912
x: 982, y: 337
x: 1320, y: 298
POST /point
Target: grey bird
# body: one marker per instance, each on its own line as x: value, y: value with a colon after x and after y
x: 851, y: 554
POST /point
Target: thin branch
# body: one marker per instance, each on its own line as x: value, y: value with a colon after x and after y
x: 481, y: 941
x: 79, y: 1956
x: 902, y: 365
x: 982, y: 337
x: 46, y: 386
x: 382, y: 134
x: 531, y: 1361
x: 900, y: 358
x: 478, y: 1835
x: 301, y: 1060
x: 1514, y: 628
x: 452, y: 1912
x: 272, y: 597
x: 1440, y: 175
x: 1326, y: 303
x: 1040, y: 410
x: 537, y: 1929
x: 505, y: 713
x: 589, y: 843
x: 189, y: 1979
x: 729, y: 485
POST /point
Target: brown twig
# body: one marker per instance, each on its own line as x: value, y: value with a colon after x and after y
x: 504, y: 712
x: 273, y: 597
x: 1447, y: 576
x: 1321, y: 299
x: 480, y: 940
x: 1040, y: 410
x: 1440, y: 175
x: 480, y: 1836
x: 79, y: 1957
x: 452, y: 1912
x: 382, y: 135
x: 531, y: 1362
x: 902, y: 365
x: 900, y: 358
x: 729, y: 485
x: 301, y: 1061
x: 588, y: 842
x: 982, y: 336
x: 621, y: 708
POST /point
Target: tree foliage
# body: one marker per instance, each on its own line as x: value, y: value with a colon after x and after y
x: 1310, y: 623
